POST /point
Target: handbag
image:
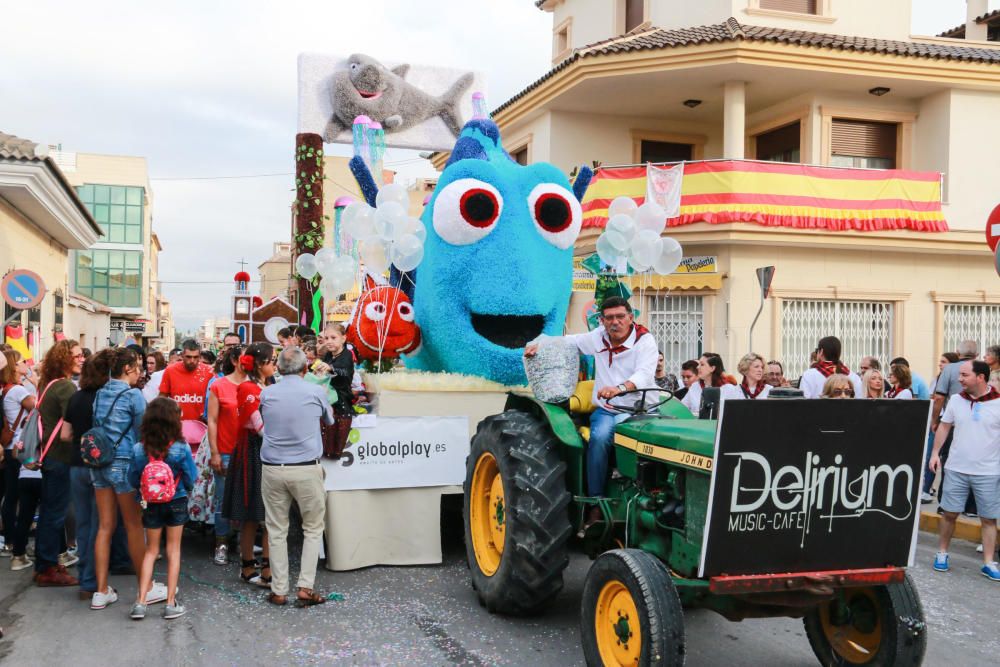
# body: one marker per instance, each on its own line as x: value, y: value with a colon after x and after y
x: 96, y: 448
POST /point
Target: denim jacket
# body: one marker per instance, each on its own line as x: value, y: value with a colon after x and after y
x: 178, y: 458
x: 125, y: 418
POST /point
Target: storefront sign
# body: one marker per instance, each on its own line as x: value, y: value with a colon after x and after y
x: 129, y: 326
x: 403, y: 452
x: 827, y: 485
x: 699, y: 264
x: 584, y: 279
x: 22, y: 289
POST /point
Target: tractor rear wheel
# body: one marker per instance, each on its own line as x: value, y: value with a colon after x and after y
x: 877, y: 626
x: 630, y: 613
x: 516, y: 518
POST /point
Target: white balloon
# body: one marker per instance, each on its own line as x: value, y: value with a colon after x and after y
x: 407, y: 252
x: 388, y: 217
x: 392, y: 192
x: 305, y: 265
x: 358, y: 220
x: 670, y: 257
x: 341, y: 277
x: 418, y: 229
x: 609, y: 255
x: 652, y: 217
x: 622, y: 206
x: 616, y: 240
x: 645, y: 249
x: 328, y: 289
x: 411, y: 226
x: 623, y: 225
x: 374, y: 255
x: 325, y: 258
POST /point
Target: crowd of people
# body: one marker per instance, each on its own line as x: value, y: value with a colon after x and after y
x: 130, y: 446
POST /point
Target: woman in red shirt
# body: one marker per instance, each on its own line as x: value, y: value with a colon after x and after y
x: 243, y: 500
x: 223, y: 432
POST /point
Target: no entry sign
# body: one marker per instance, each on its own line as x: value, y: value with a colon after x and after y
x: 22, y: 289
x: 993, y: 229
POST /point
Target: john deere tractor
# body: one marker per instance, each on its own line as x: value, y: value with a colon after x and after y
x: 526, y: 507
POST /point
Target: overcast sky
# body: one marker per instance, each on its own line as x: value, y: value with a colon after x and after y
x: 208, y: 89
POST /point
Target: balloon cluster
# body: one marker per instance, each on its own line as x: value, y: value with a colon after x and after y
x: 388, y: 235
x: 633, y: 234
x: 337, y: 272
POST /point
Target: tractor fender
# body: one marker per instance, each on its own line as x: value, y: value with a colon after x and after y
x: 556, y: 416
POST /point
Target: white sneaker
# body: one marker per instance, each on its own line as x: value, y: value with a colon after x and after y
x: 979, y: 549
x: 18, y: 563
x: 101, y: 600
x: 68, y: 558
x: 158, y: 593
x: 221, y: 555
x: 926, y: 497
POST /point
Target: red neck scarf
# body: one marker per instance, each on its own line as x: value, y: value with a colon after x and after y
x: 752, y: 395
x: 828, y: 368
x: 893, y: 391
x: 988, y: 396
x: 616, y: 349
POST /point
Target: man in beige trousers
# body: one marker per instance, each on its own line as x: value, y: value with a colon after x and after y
x: 291, y: 411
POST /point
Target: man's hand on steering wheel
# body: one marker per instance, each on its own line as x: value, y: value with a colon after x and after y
x: 610, y: 392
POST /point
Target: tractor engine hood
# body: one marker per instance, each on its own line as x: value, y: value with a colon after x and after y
x: 686, y: 442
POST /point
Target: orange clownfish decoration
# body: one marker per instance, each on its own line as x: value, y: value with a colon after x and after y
x: 383, y: 320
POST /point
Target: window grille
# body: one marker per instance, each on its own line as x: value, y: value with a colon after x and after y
x: 980, y: 323
x: 863, y: 327
x: 677, y: 323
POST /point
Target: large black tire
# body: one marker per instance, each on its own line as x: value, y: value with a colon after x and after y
x: 643, y: 581
x: 885, y: 626
x: 531, y: 551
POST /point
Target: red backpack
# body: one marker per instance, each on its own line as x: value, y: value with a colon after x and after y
x: 157, y: 484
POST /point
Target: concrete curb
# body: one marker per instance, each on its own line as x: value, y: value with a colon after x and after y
x: 965, y: 528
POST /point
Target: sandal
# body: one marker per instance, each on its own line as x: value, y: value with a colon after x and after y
x: 262, y: 581
x: 312, y: 598
x: 277, y: 600
x: 253, y: 577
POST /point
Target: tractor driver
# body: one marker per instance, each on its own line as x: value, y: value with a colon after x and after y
x: 625, y: 356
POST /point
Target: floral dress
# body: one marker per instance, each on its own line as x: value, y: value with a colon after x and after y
x: 201, y: 499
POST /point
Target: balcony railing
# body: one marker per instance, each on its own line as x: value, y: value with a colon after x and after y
x: 781, y: 194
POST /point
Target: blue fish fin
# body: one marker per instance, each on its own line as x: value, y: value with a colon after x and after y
x: 582, y: 182
x: 364, y: 178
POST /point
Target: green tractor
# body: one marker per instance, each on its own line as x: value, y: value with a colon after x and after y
x: 525, y: 505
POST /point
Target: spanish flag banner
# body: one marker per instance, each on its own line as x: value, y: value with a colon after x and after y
x: 784, y: 195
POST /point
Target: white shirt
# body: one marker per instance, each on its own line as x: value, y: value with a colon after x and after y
x: 152, y: 388
x: 906, y: 393
x: 812, y: 383
x: 975, y: 444
x: 731, y: 392
x: 12, y: 405
x: 692, y: 399
x: 636, y: 364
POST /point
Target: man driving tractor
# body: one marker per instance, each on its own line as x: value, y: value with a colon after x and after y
x: 624, y: 360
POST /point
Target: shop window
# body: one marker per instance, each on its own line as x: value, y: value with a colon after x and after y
x: 678, y: 326
x: 970, y: 322
x: 664, y: 151
x: 117, y: 209
x: 863, y: 327
x: 797, y: 6
x: 780, y: 145
x: 863, y: 144
x: 111, y: 277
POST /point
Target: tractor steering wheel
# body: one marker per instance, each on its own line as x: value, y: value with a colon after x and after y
x: 639, y: 407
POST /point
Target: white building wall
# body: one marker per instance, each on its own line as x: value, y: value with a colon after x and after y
x: 974, y: 159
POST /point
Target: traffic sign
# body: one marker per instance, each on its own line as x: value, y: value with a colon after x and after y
x: 993, y: 228
x: 22, y: 289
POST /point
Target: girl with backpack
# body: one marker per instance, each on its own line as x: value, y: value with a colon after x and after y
x: 163, y: 470
x: 118, y: 409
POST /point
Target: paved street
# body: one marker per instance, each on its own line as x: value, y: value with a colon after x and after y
x: 425, y: 616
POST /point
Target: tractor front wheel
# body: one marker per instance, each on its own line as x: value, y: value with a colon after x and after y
x: 516, y: 518
x: 877, y: 626
x: 630, y: 613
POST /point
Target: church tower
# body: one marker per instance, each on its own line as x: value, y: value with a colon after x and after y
x: 241, y: 306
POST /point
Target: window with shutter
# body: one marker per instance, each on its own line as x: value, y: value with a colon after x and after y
x: 781, y: 144
x: 798, y: 6
x: 856, y: 143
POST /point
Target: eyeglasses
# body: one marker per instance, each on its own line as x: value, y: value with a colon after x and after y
x: 614, y: 318
x: 842, y: 392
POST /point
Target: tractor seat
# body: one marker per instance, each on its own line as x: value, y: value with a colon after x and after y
x: 581, y: 403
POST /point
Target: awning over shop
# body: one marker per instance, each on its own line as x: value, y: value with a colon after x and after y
x: 784, y: 195
x: 676, y: 281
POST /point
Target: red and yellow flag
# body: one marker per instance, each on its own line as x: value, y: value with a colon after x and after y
x: 784, y: 195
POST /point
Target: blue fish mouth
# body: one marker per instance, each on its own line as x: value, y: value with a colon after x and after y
x: 509, y: 331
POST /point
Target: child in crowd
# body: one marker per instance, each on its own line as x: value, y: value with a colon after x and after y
x: 162, y: 440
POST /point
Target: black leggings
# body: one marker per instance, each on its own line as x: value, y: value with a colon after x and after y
x: 29, y: 493
x: 8, y: 510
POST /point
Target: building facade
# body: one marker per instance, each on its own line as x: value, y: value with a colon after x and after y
x: 119, y: 272
x: 42, y: 221
x: 276, y: 271
x: 817, y: 82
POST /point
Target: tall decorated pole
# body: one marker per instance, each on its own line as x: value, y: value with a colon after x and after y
x: 308, y: 215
